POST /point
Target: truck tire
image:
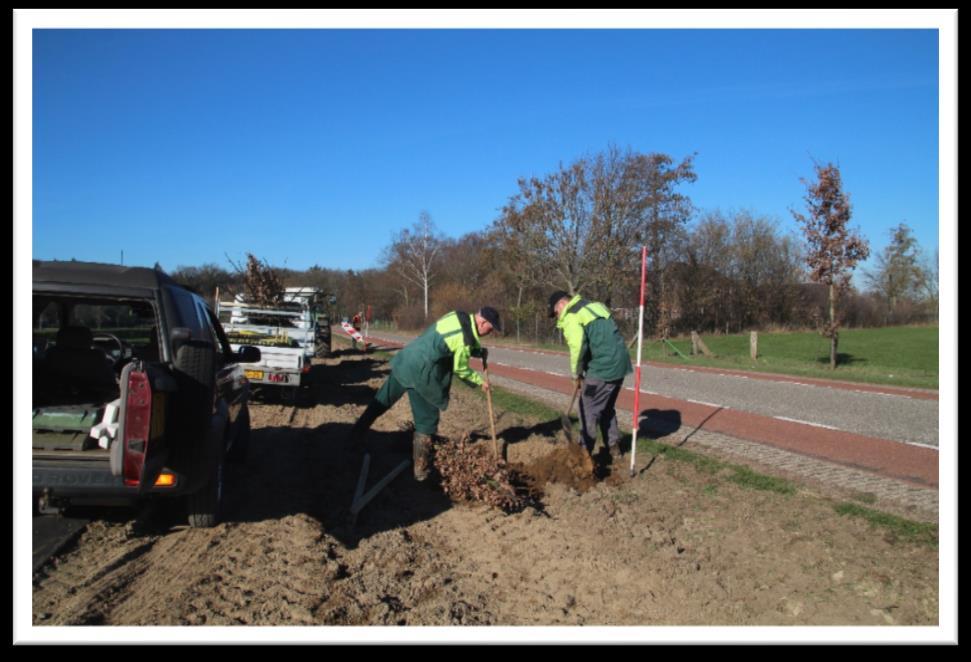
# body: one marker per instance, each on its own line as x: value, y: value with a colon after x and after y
x: 195, y: 366
x: 240, y: 448
x: 205, y: 504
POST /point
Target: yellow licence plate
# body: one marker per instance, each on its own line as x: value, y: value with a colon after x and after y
x: 253, y: 374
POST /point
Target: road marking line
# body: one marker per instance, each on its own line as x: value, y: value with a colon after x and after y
x: 914, y: 443
x: 796, y: 420
x: 631, y: 389
x: 707, y: 404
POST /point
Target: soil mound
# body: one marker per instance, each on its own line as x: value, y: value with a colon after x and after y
x: 568, y: 464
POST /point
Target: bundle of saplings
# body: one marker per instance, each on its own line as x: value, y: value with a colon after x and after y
x: 471, y: 472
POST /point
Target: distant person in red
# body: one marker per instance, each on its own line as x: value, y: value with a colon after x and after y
x: 356, y: 323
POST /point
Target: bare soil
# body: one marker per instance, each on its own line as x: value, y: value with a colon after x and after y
x: 671, y: 546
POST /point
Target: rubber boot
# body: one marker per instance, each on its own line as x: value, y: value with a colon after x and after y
x: 363, y: 424
x: 421, y: 454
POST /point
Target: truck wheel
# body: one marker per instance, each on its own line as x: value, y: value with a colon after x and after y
x: 240, y: 448
x: 205, y: 505
x: 195, y: 365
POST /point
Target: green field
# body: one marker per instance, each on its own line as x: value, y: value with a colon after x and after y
x: 900, y: 356
x: 905, y: 356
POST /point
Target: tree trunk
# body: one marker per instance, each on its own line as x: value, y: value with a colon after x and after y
x: 832, y: 327
x: 426, y: 299
x: 519, y: 304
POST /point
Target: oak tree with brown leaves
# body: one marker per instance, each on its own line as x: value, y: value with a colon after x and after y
x: 833, y: 250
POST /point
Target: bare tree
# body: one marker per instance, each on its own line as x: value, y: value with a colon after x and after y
x: 518, y: 265
x: 585, y: 222
x: 413, y: 253
x: 833, y: 250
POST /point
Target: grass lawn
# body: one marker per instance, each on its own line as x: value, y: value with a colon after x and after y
x: 900, y: 356
x: 904, y: 356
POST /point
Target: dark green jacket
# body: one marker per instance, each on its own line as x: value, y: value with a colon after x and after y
x: 596, y: 346
x: 427, y: 363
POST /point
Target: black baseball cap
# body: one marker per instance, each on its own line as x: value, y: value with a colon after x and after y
x: 491, y: 315
x: 554, y: 299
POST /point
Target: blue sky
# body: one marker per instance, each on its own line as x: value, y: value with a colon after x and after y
x: 313, y: 146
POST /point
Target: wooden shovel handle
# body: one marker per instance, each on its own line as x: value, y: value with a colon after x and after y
x: 492, y: 416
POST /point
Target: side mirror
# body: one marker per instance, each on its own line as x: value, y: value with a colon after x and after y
x: 248, y: 354
x: 180, y: 334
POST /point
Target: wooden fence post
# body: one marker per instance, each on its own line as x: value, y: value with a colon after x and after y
x: 754, y: 345
x: 697, y: 344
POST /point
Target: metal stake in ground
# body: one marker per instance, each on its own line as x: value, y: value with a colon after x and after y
x: 637, y: 378
x: 361, y: 500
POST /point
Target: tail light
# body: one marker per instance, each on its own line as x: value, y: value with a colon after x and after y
x: 138, y: 422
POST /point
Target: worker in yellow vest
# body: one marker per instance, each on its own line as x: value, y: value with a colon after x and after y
x: 598, y: 363
x: 424, y: 369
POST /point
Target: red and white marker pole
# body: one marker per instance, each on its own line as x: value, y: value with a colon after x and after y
x: 637, y: 376
x: 367, y: 325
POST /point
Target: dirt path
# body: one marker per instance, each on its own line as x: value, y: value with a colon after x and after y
x: 673, y: 546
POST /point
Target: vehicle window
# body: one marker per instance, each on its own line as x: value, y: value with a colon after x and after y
x: 47, y: 320
x: 188, y: 315
x: 221, y: 341
x: 202, y: 313
x: 119, y: 327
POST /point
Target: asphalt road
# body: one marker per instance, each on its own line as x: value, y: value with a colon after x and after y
x: 874, y: 414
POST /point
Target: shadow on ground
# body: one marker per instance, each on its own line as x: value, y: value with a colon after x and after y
x: 313, y: 471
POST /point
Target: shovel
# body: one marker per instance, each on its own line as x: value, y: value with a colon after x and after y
x: 565, y: 417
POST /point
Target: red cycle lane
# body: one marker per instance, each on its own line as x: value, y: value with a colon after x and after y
x: 917, y: 465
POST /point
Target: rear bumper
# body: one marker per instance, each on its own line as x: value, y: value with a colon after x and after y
x: 92, y: 480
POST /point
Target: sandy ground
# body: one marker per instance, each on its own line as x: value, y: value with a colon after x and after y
x: 672, y: 546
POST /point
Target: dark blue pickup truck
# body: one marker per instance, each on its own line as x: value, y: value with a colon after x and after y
x: 136, y: 391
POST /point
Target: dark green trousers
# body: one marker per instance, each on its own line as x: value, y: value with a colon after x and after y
x: 426, y: 414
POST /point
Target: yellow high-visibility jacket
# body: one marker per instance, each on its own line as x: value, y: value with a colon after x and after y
x: 428, y: 362
x: 596, y: 347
